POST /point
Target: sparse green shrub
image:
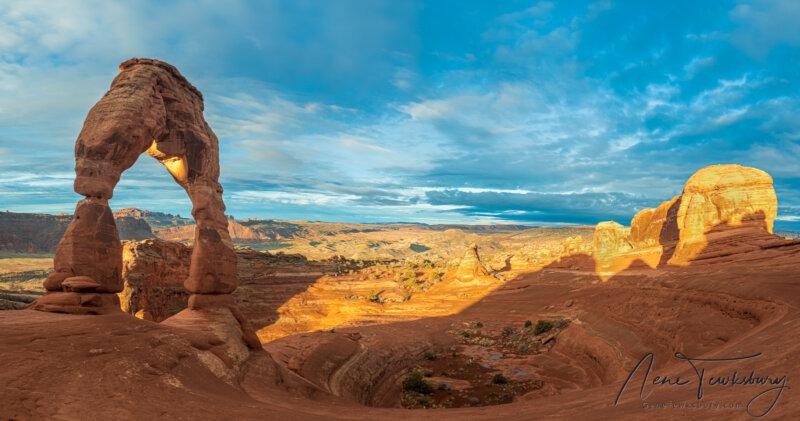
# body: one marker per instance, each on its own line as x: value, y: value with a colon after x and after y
x: 444, y: 386
x: 528, y: 323
x: 499, y: 379
x: 415, y: 382
x: 419, y: 248
x: 542, y: 326
x: 465, y: 333
x: 475, y: 325
x: 375, y: 297
x: 508, y: 331
x: 430, y: 356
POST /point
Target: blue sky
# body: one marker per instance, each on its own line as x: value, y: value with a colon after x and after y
x: 370, y: 111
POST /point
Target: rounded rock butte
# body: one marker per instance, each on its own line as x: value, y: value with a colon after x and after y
x: 150, y: 108
x: 722, y: 195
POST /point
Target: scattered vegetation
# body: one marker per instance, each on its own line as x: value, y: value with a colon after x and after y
x: 475, y: 325
x: 528, y: 323
x: 499, y: 378
x: 508, y: 331
x: 430, y: 356
x: 542, y: 326
x: 415, y: 382
x: 475, y: 384
x: 375, y: 297
x: 419, y: 248
x: 270, y: 245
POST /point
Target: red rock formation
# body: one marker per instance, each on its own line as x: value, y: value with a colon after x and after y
x: 153, y: 272
x: 719, y: 195
x: 150, y: 108
x: 131, y: 228
x: 471, y: 268
x: 717, y: 202
x: 655, y: 226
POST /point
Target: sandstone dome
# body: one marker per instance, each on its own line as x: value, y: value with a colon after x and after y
x: 718, y: 195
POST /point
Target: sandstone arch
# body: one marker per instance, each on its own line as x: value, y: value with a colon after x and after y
x: 150, y: 108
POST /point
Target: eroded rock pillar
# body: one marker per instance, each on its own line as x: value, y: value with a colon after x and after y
x: 87, y: 265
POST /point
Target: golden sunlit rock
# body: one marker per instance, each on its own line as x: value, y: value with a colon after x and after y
x: 722, y: 195
x: 717, y: 198
x: 471, y: 268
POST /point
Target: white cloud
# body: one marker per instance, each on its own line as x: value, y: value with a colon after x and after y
x: 300, y: 198
x: 696, y: 65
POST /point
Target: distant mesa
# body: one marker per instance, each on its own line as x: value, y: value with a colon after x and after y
x: 156, y: 220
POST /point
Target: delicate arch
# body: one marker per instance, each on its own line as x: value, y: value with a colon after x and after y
x: 150, y: 108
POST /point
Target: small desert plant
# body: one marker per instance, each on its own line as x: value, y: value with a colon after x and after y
x: 475, y: 325
x: 499, y: 379
x: 542, y: 326
x: 444, y: 386
x: 430, y: 356
x: 375, y: 297
x: 528, y: 323
x: 415, y: 382
x: 508, y: 331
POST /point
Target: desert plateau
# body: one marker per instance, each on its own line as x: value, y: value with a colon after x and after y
x: 385, y: 211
